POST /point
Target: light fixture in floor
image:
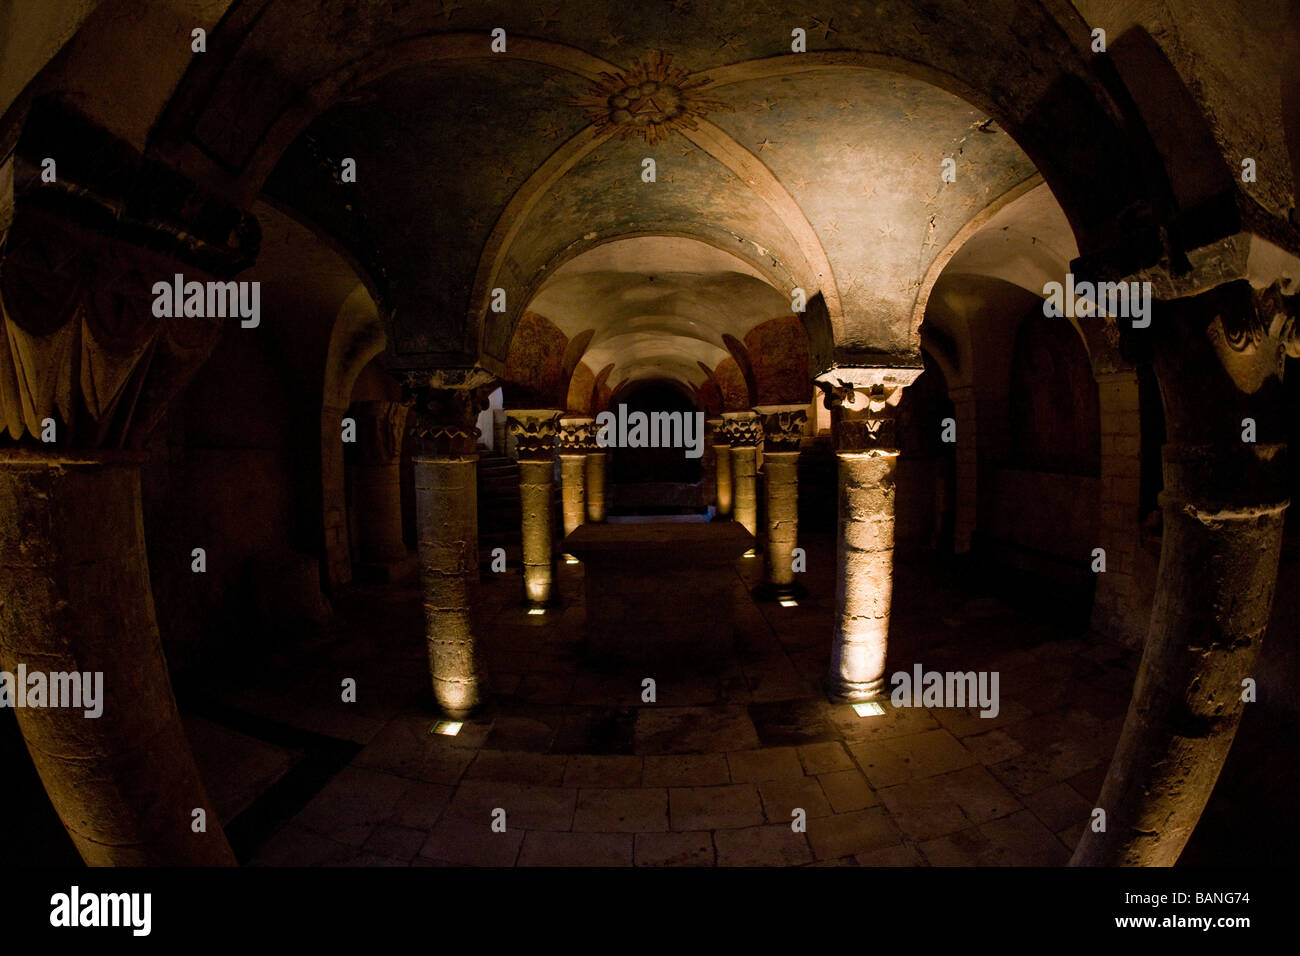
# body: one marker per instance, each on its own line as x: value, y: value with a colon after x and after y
x: 537, y: 610
x: 751, y: 553
x: 448, y: 728
x: 788, y: 602
x: 570, y: 559
x: 869, y: 709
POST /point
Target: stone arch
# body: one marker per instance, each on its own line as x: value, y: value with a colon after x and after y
x: 1067, y: 79
x: 734, y: 389
x: 816, y: 320
x: 740, y: 355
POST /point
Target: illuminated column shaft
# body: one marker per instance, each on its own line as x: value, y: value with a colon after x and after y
x: 744, y: 432
x: 573, y: 470
x: 864, y: 563
x: 75, y: 597
x: 535, y: 433
x: 782, y: 433
x: 709, y: 464
x: 722, y: 469
x: 1218, y: 357
x: 596, y: 486
x: 378, y: 486
x: 574, y: 442
x: 446, y: 490
x: 862, y: 416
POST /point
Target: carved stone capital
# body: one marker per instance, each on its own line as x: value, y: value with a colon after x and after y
x: 577, y: 436
x: 863, y: 402
x: 77, y: 309
x: 741, y: 429
x: 457, y: 378
x: 783, y: 426
x: 839, y: 378
x: 442, y: 422
x: 715, y: 432
x: 534, y: 431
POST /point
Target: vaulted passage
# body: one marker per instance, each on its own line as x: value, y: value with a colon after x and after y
x: 685, y: 436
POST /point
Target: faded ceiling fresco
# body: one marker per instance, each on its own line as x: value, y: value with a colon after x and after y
x: 832, y: 182
x: 482, y: 170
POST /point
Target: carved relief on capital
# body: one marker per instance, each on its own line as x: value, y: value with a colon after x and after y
x: 783, y: 428
x: 863, y: 419
x: 741, y: 430
x: 82, y: 346
x: 1253, y: 340
x: 534, y: 433
x: 442, y: 421
x: 577, y: 436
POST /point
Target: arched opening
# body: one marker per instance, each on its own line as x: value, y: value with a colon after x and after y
x: 657, y: 480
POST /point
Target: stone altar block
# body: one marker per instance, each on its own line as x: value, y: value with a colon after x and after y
x: 660, y: 592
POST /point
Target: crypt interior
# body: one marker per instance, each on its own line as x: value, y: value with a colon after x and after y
x: 364, y: 580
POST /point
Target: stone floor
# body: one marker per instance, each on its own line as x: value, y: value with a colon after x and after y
x: 709, y: 774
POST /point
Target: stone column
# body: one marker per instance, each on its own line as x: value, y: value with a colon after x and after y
x: 534, y: 431
x: 725, y: 487
x: 1218, y: 349
x: 377, y: 488
x: 783, y: 427
x: 595, y: 486
x: 442, y: 425
x: 75, y: 598
x: 709, y: 464
x: 863, y: 404
x: 744, y: 432
x: 965, y: 515
x: 575, y: 441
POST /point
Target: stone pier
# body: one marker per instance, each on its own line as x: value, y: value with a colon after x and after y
x: 783, y: 427
x: 863, y: 405
x: 574, y: 443
x: 75, y: 596
x: 742, y: 432
x: 1218, y: 349
x: 718, y: 491
x: 446, y: 487
x: 534, y: 432
x: 595, y: 485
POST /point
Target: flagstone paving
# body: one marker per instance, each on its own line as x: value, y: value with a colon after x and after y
x: 748, y: 765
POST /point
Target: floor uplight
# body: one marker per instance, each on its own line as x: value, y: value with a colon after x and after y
x: 869, y: 709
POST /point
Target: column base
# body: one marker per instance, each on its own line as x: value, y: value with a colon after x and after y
x: 840, y: 691
x: 550, y: 604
